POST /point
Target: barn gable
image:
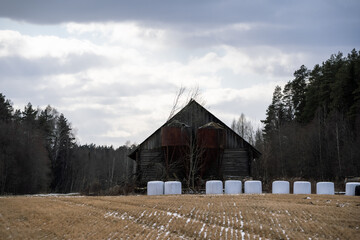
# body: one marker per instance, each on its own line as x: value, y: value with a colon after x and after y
x: 236, y: 154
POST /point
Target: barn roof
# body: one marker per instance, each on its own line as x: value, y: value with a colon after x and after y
x: 256, y: 153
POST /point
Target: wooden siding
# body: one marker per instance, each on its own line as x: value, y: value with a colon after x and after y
x: 235, y: 163
x: 151, y: 165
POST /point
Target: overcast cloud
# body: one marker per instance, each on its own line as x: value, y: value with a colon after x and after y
x: 113, y: 67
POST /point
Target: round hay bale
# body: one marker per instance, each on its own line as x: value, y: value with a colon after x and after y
x: 155, y: 188
x: 172, y: 187
x: 214, y: 187
x: 350, y: 188
x: 302, y: 187
x: 233, y: 187
x: 281, y: 187
x: 253, y: 187
x: 325, y: 188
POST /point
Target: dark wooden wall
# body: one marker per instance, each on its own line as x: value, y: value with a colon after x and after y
x: 151, y: 165
x: 235, y: 163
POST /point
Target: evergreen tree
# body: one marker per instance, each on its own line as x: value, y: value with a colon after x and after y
x: 275, y: 113
x: 327, y: 79
x: 47, y: 121
x: 298, y: 89
x: 312, y: 94
x: 62, y: 155
x: 29, y: 114
x: 288, y: 102
x: 6, y: 109
x: 354, y: 71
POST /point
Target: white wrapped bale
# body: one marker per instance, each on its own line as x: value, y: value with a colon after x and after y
x: 325, y: 188
x: 172, y: 187
x: 350, y: 188
x: 253, y: 187
x: 214, y: 187
x: 281, y: 187
x: 155, y: 188
x: 302, y: 187
x: 233, y: 187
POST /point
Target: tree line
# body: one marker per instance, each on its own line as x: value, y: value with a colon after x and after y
x: 311, y: 130
x: 39, y: 154
x: 312, y: 126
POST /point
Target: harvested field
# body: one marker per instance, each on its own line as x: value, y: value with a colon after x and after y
x: 264, y: 216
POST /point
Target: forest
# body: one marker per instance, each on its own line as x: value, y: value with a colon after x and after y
x: 311, y: 131
x: 312, y: 126
x: 39, y: 154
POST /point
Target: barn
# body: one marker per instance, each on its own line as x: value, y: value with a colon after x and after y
x: 193, y: 144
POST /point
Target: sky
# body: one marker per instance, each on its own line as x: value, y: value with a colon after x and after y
x: 113, y: 67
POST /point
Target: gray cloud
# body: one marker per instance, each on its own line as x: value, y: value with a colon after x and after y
x: 238, y: 106
x: 52, y: 12
x: 283, y: 22
x: 276, y: 35
x: 188, y: 11
x: 14, y: 66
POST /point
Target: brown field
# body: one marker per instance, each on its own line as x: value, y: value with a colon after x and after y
x: 263, y: 216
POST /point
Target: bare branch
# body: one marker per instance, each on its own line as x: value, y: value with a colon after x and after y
x: 192, y: 94
x: 176, y: 104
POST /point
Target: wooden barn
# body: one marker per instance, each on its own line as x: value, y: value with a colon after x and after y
x: 193, y: 143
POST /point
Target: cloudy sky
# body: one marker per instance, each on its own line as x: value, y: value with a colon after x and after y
x: 113, y: 67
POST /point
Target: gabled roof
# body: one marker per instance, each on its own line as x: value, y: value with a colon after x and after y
x: 257, y: 153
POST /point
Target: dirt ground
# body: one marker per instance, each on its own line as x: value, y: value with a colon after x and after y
x: 264, y: 216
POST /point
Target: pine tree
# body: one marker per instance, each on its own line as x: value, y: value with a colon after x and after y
x: 6, y: 109
x: 29, y: 114
x: 62, y: 155
x: 298, y: 89
x: 312, y: 95
x: 327, y: 79
x: 47, y: 121
x: 274, y: 113
x: 288, y: 102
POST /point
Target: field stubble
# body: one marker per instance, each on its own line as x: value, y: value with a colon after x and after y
x: 264, y: 216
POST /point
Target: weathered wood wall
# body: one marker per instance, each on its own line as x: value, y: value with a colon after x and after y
x: 235, y: 163
x: 151, y: 165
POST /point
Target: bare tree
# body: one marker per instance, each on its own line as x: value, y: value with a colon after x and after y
x: 175, y: 106
x: 244, y: 128
x: 192, y: 154
x: 193, y: 161
x: 180, y: 100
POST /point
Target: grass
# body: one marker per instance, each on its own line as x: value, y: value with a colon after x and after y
x: 181, y: 217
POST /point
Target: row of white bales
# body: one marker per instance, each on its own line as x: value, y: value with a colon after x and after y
x: 250, y: 187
